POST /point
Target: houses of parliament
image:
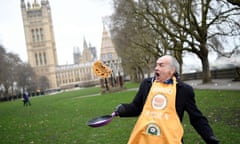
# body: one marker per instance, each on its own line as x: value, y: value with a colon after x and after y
x: 42, y: 55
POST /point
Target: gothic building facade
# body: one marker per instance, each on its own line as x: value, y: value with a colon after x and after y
x: 80, y: 73
x: 42, y: 55
x: 109, y: 55
x: 89, y: 53
x: 40, y: 42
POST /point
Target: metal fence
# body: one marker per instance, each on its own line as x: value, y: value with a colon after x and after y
x: 231, y: 73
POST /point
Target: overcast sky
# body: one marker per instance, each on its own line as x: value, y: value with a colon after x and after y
x: 72, y: 20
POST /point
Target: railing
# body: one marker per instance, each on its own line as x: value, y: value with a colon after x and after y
x: 231, y: 73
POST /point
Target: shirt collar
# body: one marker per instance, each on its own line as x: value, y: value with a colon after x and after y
x: 169, y: 81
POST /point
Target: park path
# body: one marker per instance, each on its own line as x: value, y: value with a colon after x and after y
x: 216, y: 84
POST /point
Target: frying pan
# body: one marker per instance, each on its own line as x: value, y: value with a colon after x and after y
x: 101, y: 120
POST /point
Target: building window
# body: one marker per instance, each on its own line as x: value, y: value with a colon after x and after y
x: 33, y: 35
x: 41, y: 34
x: 110, y: 55
x: 44, y: 58
x: 37, y: 34
x: 103, y: 57
x: 36, y: 58
x: 40, y: 58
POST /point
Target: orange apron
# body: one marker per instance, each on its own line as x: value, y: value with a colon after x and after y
x: 158, y: 122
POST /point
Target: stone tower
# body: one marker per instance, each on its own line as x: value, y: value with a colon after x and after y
x: 76, y: 55
x: 110, y: 57
x: 40, y: 42
x: 108, y: 53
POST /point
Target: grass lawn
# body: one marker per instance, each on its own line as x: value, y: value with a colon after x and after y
x: 62, y: 118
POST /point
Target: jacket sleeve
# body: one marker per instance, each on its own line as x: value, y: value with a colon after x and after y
x: 197, y: 120
x: 135, y: 107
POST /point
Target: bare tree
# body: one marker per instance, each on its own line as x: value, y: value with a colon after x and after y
x: 2, y: 63
x: 234, y: 2
x: 8, y: 71
x: 26, y: 78
x: 132, y: 39
x: 43, y: 83
x: 192, y: 26
x: 15, y: 75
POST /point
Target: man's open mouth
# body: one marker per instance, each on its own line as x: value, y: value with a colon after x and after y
x: 157, y: 74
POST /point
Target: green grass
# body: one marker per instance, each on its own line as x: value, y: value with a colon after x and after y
x: 62, y: 118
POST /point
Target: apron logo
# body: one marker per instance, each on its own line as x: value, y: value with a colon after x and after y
x: 159, y: 102
x: 153, y: 129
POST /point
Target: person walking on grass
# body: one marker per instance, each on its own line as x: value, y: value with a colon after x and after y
x: 26, y: 100
x: 161, y: 102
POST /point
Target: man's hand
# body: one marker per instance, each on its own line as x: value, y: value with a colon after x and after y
x: 119, y: 109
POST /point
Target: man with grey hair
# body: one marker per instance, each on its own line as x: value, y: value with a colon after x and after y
x: 160, y: 104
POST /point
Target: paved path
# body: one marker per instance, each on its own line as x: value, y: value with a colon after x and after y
x: 222, y: 84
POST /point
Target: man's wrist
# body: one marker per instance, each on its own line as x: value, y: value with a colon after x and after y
x: 212, y: 140
x: 120, y: 109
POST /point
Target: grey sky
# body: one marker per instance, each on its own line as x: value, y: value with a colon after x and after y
x: 83, y: 17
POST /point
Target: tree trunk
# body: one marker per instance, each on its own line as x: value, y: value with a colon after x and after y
x: 149, y: 70
x: 141, y: 74
x: 6, y: 93
x: 207, y: 78
x: 180, y: 71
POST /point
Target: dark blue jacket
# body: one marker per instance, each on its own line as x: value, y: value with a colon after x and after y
x: 185, y: 101
x: 25, y: 97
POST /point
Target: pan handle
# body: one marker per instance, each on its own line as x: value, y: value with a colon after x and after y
x: 114, y: 114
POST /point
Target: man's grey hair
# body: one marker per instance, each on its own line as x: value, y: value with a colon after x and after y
x: 174, y: 63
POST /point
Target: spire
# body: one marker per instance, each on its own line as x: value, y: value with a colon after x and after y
x: 44, y: 2
x: 35, y: 4
x: 23, y: 4
x: 103, y: 21
x: 84, y: 43
x: 28, y: 5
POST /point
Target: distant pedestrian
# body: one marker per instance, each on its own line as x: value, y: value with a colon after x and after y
x: 26, y: 101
